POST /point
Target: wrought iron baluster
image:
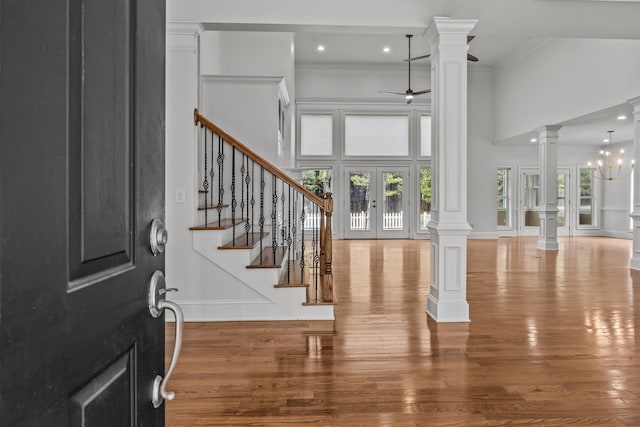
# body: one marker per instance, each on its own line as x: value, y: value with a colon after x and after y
x: 274, y: 215
x: 302, y: 220
x: 205, y: 183
x: 220, y: 178
x: 261, y: 220
x: 316, y: 248
x: 245, y: 203
x: 289, y: 254
x: 234, y: 202
x: 283, y: 199
x: 211, y: 175
x: 253, y: 199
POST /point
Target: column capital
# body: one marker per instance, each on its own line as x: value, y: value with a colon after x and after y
x: 550, y: 130
x: 636, y: 103
x: 446, y: 25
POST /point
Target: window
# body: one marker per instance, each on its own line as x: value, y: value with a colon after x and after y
x: 425, y: 198
x: 585, y: 206
x: 316, y: 135
x: 561, y: 180
x: 504, y: 197
x: 425, y: 136
x: 376, y: 136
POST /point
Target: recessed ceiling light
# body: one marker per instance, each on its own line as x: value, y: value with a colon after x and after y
x: 622, y: 117
x: 386, y: 49
x: 320, y: 48
x: 533, y: 140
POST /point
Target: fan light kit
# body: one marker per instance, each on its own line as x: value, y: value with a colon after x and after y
x: 409, y: 93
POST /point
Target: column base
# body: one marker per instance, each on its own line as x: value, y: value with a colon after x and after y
x: 547, y: 245
x: 447, y: 311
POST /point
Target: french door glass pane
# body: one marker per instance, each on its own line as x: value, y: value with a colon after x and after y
x: 392, y: 209
x: 562, y: 178
x: 360, y: 191
x: 531, y: 200
x: 585, y: 210
x: 503, y: 198
x: 425, y: 197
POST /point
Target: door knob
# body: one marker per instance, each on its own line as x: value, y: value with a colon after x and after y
x: 157, y: 303
x: 158, y: 236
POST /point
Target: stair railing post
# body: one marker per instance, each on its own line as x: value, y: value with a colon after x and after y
x: 327, y: 291
x: 323, y: 248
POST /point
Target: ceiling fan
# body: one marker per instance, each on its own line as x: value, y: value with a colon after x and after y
x: 409, y: 93
x: 470, y: 57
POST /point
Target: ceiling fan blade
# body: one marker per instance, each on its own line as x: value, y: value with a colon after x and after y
x: 472, y: 58
x: 469, y: 38
x: 422, y: 92
x: 416, y: 58
x: 393, y: 93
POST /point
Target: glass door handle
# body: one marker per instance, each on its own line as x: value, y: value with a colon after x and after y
x: 157, y: 304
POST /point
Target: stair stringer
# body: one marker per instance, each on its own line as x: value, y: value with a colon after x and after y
x: 278, y: 304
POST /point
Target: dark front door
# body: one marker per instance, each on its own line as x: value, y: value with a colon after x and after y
x: 81, y: 179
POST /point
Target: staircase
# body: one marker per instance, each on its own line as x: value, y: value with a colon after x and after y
x: 264, y: 228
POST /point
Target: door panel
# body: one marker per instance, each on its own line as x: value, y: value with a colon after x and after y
x: 377, y: 204
x: 81, y: 178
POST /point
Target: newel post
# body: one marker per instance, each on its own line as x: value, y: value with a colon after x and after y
x: 327, y: 283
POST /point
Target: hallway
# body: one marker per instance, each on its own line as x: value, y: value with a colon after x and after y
x: 553, y: 341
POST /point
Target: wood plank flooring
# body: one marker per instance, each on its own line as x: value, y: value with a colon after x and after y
x: 554, y: 340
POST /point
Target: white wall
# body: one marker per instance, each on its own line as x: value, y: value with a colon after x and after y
x: 360, y: 82
x: 196, y: 279
x: 564, y: 79
x: 481, y: 160
x: 240, y: 100
x: 616, y: 203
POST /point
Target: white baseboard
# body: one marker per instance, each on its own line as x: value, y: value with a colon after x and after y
x: 227, y: 311
x: 618, y: 234
x: 483, y: 235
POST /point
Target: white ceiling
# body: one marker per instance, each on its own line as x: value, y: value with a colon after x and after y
x: 504, y: 29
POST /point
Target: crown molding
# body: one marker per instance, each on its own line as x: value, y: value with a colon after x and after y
x: 519, y: 54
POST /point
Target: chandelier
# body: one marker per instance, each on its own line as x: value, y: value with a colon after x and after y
x: 611, y: 165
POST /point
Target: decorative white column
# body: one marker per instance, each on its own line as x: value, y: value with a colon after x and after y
x: 634, y: 263
x: 548, y: 207
x: 447, y: 300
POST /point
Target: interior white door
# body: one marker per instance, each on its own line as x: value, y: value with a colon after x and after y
x: 377, y: 203
x: 530, y: 199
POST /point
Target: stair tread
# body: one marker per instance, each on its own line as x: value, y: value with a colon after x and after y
x: 215, y: 225
x: 292, y: 276
x: 209, y: 207
x: 244, y: 241
x: 267, y: 260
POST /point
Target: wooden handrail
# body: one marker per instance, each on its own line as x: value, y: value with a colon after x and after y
x: 203, y: 121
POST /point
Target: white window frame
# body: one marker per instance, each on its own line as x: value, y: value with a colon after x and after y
x: 510, y: 180
x: 335, y: 143
x: 594, y: 202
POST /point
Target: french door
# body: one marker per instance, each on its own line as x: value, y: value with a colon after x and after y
x: 530, y: 198
x: 376, y: 202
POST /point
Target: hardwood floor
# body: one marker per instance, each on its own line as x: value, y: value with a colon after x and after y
x: 553, y: 340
